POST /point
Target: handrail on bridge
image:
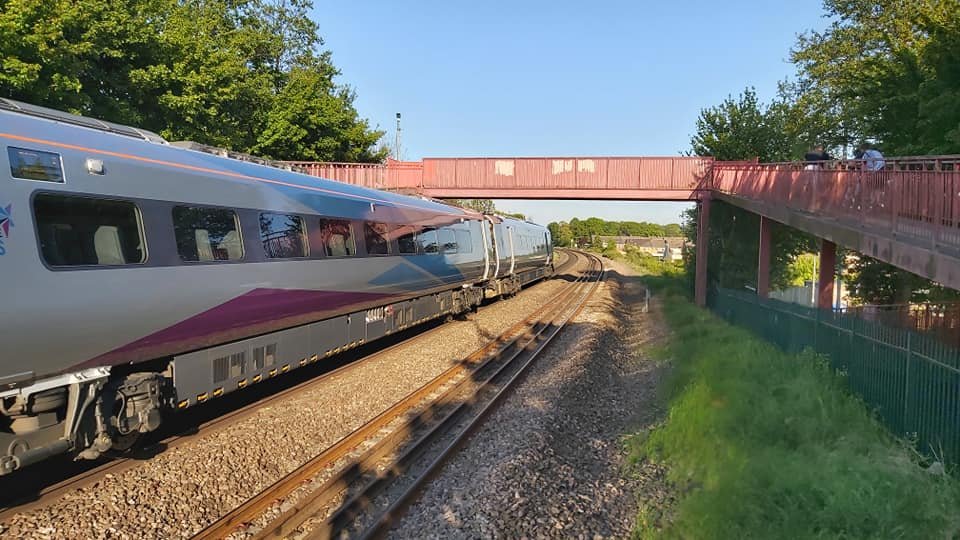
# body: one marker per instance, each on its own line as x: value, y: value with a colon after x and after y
x: 909, y: 197
x: 915, y: 196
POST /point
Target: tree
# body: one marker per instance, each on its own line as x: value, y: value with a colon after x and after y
x: 561, y: 233
x: 206, y: 88
x: 248, y: 75
x: 484, y: 206
x: 868, y: 65
x: 733, y: 248
x: 313, y: 119
x: 672, y: 230
x: 78, y: 55
x: 743, y: 129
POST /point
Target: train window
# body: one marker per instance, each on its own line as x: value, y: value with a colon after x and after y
x: 448, y: 240
x: 35, y: 165
x: 407, y: 241
x: 375, y: 235
x: 464, y: 242
x: 283, y: 236
x: 83, y: 231
x: 207, y: 234
x: 337, y: 238
x: 427, y: 240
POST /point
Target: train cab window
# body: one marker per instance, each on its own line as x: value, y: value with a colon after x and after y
x: 464, y: 242
x: 207, y: 234
x: 448, y: 240
x: 35, y: 165
x: 283, y: 236
x: 336, y: 235
x: 83, y: 231
x: 407, y: 241
x: 376, y: 238
x: 427, y: 240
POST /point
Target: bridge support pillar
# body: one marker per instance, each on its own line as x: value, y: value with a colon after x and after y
x: 703, y: 236
x: 763, y: 265
x: 828, y: 264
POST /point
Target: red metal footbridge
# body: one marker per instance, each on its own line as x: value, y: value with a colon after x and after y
x: 906, y: 214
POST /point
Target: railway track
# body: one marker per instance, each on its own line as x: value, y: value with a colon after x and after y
x: 32, y: 495
x: 359, y: 486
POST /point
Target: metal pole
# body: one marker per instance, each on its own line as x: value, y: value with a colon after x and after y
x: 396, y: 142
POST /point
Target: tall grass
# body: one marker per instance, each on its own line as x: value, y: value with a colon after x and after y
x: 762, y: 444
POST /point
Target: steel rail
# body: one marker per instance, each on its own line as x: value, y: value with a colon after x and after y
x: 254, y: 506
x: 387, y: 518
x: 528, y: 336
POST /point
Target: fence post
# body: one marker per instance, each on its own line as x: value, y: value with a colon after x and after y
x: 816, y: 328
x: 906, y: 385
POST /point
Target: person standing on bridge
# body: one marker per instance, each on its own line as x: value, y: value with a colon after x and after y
x: 872, y: 158
x: 815, y: 157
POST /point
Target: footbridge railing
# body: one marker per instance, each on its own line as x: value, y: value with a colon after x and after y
x: 910, y: 197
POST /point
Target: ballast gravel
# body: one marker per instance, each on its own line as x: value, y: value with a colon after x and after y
x: 179, y: 492
x: 550, y: 462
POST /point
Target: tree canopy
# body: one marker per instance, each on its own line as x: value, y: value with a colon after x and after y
x: 742, y: 128
x: 886, y: 71
x: 484, y: 206
x: 250, y: 75
x: 566, y: 233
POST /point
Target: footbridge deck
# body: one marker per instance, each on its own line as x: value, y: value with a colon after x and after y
x: 907, y: 214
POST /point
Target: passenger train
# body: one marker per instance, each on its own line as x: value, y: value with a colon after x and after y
x: 142, y: 277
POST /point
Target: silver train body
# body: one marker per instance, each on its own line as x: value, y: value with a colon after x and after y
x: 143, y: 276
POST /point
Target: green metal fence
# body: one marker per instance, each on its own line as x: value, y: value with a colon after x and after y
x: 911, y: 379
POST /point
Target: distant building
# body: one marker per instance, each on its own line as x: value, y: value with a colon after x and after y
x: 651, y: 245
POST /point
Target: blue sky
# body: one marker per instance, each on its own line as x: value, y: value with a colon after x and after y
x: 561, y: 78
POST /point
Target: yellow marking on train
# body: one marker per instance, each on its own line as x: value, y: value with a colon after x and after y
x: 202, y: 397
x: 315, y: 357
x: 257, y: 378
x: 328, y: 353
x: 285, y: 368
x: 218, y: 392
x: 273, y: 372
x: 183, y: 404
x: 303, y: 362
x: 243, y: 383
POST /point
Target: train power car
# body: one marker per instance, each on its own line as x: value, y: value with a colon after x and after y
x: 143, y: 276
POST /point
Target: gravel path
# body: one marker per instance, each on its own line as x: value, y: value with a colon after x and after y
x: 182, y: 490
x: 549, y: 463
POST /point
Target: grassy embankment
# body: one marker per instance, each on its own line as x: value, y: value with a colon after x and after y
x: 762, y: 444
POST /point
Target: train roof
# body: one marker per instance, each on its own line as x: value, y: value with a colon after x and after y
x: 57, y: 128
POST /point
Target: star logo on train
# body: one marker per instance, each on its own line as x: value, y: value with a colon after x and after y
x: 5, y: 220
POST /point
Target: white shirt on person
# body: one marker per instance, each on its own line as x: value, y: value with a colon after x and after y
x: 873, y: 160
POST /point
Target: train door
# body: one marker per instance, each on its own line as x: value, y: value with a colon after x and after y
x: 513, y: 250
x: 549, y: 247
x: 493, y: 255
x: 485, y: 245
